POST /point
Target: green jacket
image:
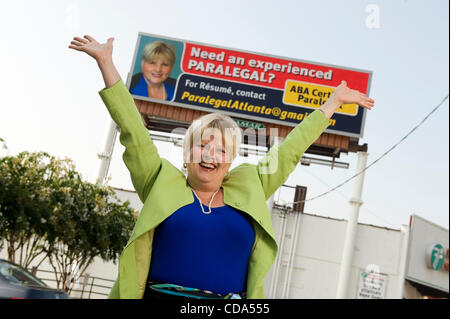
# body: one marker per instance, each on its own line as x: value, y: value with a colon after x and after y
x: 163, y: 190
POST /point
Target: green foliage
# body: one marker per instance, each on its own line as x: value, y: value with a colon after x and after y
x: 24, y: 211
x: 48, y: 211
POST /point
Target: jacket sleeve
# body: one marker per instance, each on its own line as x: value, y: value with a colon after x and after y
x: 281, y: 160
x: 114, y: 293
x: 141, y: 156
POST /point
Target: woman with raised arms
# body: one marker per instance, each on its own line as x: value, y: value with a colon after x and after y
x: 207, y: 233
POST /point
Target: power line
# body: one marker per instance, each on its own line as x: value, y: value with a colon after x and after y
x: 379, y: 158
x: 365, y: 208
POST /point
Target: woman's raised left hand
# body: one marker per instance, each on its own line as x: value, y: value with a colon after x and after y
x: 345, y: 95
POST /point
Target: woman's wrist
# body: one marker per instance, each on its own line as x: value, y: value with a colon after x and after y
x: 330, y: 106
x: 109, y: 71
x: 105, y: 62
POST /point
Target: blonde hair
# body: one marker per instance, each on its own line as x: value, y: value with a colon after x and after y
x: 218, y: 123
x: 161, y: 49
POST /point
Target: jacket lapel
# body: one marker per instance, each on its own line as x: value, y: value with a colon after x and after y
x: 247, y: 197
x: 174, y: 193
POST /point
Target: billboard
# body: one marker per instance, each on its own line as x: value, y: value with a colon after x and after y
x: 248, y: 85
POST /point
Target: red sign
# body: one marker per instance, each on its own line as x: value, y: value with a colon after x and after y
x: 264, y: 70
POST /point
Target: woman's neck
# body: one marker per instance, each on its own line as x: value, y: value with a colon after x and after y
x: 203, y: 188
x: 156, y: 90
x: 153, y: 86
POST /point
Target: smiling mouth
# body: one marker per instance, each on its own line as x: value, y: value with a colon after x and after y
x: 207, y: 166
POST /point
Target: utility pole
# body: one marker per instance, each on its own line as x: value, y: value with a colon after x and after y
x: 352, y: 224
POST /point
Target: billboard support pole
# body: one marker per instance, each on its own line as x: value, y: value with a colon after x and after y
x: 291, y: 260
x: 278, y: 260
x: 352, y: 223
x: 298, y: 209
x: 106, y: 155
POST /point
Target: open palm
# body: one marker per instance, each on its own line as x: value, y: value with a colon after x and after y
x: 99, y: 51
x: 346, y: 95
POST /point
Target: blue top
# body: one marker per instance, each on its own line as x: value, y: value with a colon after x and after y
x: 139, y: 86
x: 208, y: 252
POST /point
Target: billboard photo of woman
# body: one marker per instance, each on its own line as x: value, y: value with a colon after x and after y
x: 153, y: 80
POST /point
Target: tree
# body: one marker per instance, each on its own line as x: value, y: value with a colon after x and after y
x: 24, y: 205
x: 89, y: 222
x: 2, y: 141
x: 48, y: 211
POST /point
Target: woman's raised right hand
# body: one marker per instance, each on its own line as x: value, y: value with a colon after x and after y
x: 101, y: 52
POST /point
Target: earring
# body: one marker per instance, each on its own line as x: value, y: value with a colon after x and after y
x: 185, y: 165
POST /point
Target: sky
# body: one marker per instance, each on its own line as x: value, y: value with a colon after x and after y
x: 49, y: 94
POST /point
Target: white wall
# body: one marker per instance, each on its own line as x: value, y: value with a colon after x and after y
x: 131, y: 196
x: 318, y: 256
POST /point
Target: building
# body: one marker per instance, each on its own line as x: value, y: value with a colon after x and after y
x: 387, y: 263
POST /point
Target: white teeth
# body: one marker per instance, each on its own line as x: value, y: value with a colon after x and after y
x: 207, y: 165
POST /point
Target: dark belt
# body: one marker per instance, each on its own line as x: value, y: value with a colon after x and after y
x: 182, y: 291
